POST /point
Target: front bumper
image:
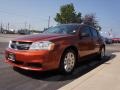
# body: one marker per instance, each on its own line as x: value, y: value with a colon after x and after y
x: 39, y: 60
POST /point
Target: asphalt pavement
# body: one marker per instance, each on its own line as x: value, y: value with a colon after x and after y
x: 17, y: 79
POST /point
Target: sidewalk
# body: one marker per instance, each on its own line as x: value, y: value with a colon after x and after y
x: 104, y: 77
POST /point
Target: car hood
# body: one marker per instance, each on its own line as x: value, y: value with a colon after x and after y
x: 40, y: 37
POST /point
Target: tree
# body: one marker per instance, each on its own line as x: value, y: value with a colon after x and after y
x: 90, y: 19
x: 67, y: 14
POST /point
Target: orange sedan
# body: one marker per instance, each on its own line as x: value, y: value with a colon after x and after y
x: 59, y: 47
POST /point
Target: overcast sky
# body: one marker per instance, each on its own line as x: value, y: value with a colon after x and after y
x: 36, y: 12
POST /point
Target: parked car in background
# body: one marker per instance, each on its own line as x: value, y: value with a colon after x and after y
x: 35, y: 31
x: 108, y: 41
x: 60, y: 47
x: 5, y: 31
x: 116, y: 40
x: 24, y: 31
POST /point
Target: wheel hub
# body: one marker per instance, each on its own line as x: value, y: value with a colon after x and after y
x: 69, y: 61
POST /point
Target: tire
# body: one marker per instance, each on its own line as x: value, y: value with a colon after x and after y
x: 68, y: 61
x: 101, y: 54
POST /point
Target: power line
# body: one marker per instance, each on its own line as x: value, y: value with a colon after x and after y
x: 44, y: 19
x: 20, y: 15
x: 11, y: 13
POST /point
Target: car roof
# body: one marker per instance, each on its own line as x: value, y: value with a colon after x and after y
x: 75, y: 24
x: 78, y: 24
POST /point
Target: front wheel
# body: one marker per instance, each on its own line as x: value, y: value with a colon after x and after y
x: 68, y: 61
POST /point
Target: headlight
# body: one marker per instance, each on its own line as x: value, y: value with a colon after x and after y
x: 42, y: 45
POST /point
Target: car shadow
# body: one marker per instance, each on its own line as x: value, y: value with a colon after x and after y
x: 54, y: 75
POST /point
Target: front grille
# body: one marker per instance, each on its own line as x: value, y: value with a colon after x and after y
x: 20, y: 45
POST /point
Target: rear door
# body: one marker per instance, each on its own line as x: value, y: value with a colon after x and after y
x: 85, y: 41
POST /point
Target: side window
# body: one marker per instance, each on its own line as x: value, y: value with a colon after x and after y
x: 85, y: 32
x: 94, y: 33
x: 72, y: 29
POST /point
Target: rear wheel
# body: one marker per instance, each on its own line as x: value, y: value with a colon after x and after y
x: 102, y: 53
x: 68, y: 61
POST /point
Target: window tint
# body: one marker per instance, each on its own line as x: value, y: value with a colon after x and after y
x: 94, y: 32
x: 85, y: 30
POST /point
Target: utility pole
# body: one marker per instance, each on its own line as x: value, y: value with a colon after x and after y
x: 49, y: 22
x: 8, y: 25
x: 29, y: 26
x: 25, y: 25
x: 1, y: 26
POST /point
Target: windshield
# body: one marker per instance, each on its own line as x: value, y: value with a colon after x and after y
x: 62, y: 29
